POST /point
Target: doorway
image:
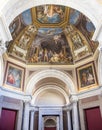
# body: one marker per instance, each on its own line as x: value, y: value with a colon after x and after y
x: 50, y: 122
x: 8, y: 119
x: 93, y: 118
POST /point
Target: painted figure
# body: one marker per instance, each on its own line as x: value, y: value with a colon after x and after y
x: 14, y: 77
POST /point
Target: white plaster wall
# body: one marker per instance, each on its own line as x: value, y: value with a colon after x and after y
x: 49, y: 98
x: 5, y: 34
x: 45, y: 96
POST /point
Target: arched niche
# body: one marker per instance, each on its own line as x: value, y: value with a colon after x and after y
x: 36, y: 77
x: 50, y: 121
x: 50, y: 95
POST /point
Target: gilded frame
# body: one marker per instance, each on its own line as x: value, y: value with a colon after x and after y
x: 14, y: 77
x: 86, y: 76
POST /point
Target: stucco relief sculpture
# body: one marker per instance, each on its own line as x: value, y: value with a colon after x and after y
x: 2, y: 47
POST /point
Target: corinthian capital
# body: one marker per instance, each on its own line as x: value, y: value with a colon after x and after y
x: 2, y: 47
x: 73, y: 98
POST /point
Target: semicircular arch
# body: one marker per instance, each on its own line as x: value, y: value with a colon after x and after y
x: 50, y: 88
x: 49, y: 73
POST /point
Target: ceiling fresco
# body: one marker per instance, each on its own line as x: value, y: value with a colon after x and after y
x: 53, y: 15
x: 51, y: 34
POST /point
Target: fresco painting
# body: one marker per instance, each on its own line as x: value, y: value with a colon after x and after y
x: 74, y: 17
x: 20, y: 22
x: 50, y: 13
x: 49, y: 31
x: 52, y: 49
x: 27, y: 17
x: 52, y: 34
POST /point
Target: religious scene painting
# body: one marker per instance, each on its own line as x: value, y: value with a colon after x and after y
x: 14, y: 76
x: 51, y: 49
x: 50, y: 13
x: 82, y: 23
x: 51, y: 34
x: 86, y: 76
x: 20, y: 22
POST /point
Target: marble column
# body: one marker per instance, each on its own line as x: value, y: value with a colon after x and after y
x: 26, y: 116
x: 61, y: 120
x: 57, y: 123
x: 75, y: 118
x: 2, y: 50
x: 100, y: 65
x: 19, y: 119
x: 43, y: 123
x: 1, y: 80
x: 69, y: 120
x: 32, y: 120
x: 40, y: 126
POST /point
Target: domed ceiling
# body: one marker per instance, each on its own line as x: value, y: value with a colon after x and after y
x: 51, y: 34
